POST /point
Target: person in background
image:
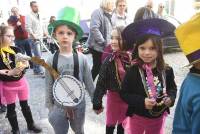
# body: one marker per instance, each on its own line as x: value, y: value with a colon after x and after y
x: 35, y: 29
x: 160, y: 11
x: 145, y: 12
x: 120, y: 16
x: 13, y: 84
x: 21, y: 35
x: 148, y: 87
x: 187, y: 113
x: 100, y: 32
x: 50, y: 41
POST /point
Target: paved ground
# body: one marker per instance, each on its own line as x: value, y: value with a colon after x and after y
x: 94, y: 124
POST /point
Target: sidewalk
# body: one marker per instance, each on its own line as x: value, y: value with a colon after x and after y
x: 94, y: 124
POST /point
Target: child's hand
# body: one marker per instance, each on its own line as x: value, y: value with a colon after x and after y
x: 14, y: 72
x: 98, y: 111
x: 4, y: 72
x: 149, y: 103
x: 167, y: 101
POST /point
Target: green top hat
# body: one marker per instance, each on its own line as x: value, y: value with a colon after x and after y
x: 68, y: 16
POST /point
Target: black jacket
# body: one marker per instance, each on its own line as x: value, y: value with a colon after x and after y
x: 107, y: 81
x: 133, y: 92
x: 12, y: 64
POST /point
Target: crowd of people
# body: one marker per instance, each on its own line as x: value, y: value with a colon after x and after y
x: 128, y: 64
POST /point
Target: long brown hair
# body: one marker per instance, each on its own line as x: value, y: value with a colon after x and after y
x: 157, y: 42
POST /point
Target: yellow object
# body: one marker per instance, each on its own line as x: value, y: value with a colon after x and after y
x: 188, y: 35
x: 7, y: 49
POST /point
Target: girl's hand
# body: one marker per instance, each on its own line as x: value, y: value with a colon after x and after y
x: 167, y: 101
x: 14, y: 72
x: 4, y: 71
x: 149, y: 103
x: 98, y: 111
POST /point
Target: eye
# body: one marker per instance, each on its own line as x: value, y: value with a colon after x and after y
x: 61, y: 33
x: 152, y: 48
x: 141, y: 48
x: 69, y: 33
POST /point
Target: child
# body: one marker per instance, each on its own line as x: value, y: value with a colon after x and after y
x: 67, y: 30
x: 148, y: 88
x: 187, y: 113
x: 109, y: 82
x: 13, y: 83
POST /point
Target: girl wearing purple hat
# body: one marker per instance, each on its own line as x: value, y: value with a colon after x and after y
x: 148, y: 88
x: 109, y: 82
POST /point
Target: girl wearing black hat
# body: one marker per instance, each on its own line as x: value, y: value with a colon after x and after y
x: 148, y: 88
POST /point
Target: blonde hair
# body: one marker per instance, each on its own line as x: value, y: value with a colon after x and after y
x: 104, y: 3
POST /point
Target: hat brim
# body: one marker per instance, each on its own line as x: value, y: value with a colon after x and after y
x: 192, y: 63
x: 135, y: 30
x: 56, y: 23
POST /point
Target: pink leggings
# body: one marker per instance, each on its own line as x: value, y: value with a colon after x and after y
x: 140, y: 125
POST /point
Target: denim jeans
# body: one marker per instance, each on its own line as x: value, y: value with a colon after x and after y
x: 60, y: 122
x: 36, y: 49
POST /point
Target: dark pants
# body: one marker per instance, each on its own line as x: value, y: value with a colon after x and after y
x: 25, y: 46
x: 96, y: 56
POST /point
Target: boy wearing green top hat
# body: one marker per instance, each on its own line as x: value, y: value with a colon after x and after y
x: 66, y: 30
x: 187, y: 114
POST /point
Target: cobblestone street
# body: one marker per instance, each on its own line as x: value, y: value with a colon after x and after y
x: 94, y: 124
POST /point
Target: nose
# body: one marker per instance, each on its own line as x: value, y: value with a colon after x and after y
x: 146, y: 51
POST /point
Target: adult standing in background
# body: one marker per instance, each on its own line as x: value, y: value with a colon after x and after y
x: 145, y: 12
x: 120, y: 17
x: 160, y: 11
x: 100, y: 33
x: 35, y: 30
x: 50, y: 41
x: 17, y: 21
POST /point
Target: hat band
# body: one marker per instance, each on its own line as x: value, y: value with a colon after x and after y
x: 153, y: 31
x: 193, y: 56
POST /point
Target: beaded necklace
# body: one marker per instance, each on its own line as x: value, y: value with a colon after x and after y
x: 152, y: 91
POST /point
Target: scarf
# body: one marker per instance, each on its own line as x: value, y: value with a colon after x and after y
x: 121, y: 60
x: 5, y: 56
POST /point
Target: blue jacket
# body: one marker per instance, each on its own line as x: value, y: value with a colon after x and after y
x: 187, y: 114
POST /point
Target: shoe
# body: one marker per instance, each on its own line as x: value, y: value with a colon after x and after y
x: 15, y: 132
x: 2, y: 108
x: 34, y: 128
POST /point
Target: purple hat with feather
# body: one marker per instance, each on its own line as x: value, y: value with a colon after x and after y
x: 154, y: 26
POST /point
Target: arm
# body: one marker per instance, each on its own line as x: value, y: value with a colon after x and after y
x: 95, y: 25
x: 101, y: 86
x: 171, y: 85
x: 28, y: 25
x: 49, y: 85
x: 195, y: 115
x: 87, y: 78
x: 129, y: 88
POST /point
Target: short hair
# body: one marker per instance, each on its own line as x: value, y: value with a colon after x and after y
x: 118, y: 1
x: 32, y: 2
x: 14, y: 8
x: 104, y: 3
